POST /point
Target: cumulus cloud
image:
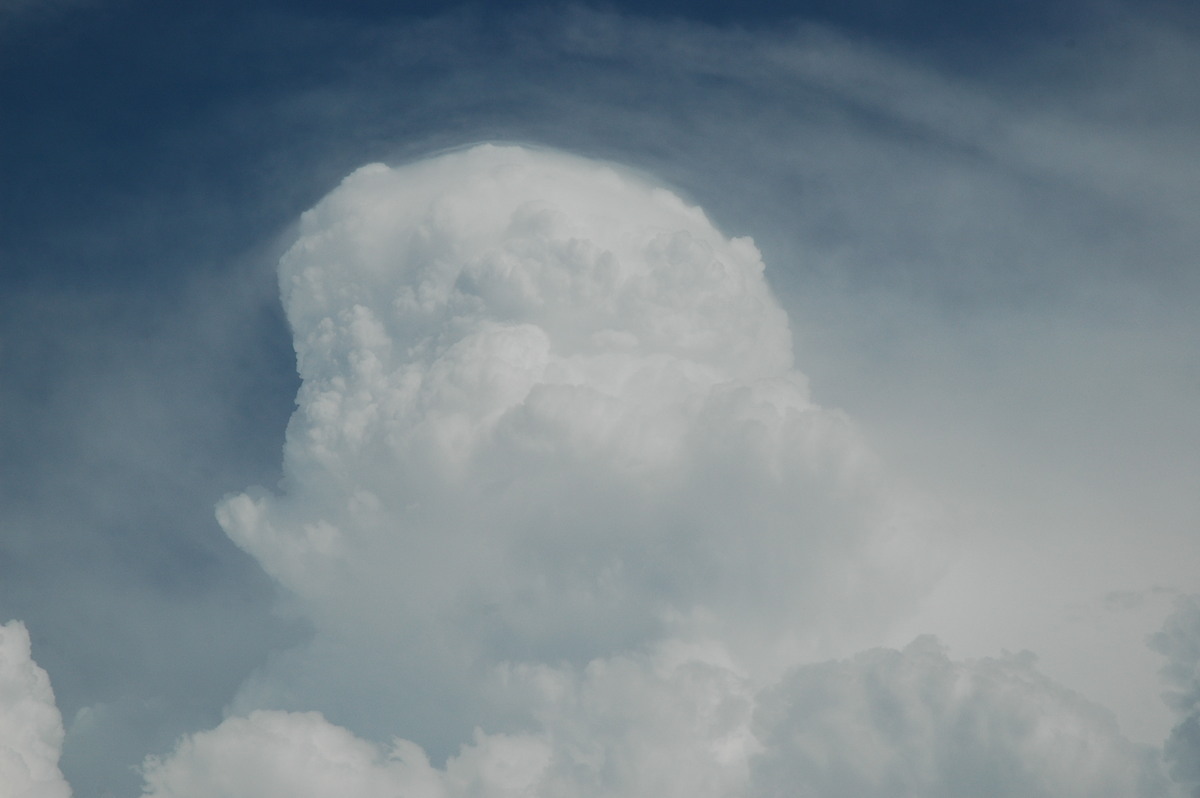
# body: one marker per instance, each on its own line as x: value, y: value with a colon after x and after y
x: 290, y: 755
x: 915, y: 723
x: 978, y: 262
x: 672, y: 722
x: 31, y: 731
x: 554, y: 478
x: 1179, y: 642
x: 549, y: 413
x: 678, y: 721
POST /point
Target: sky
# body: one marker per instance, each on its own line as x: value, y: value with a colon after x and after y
x: 572, y: 400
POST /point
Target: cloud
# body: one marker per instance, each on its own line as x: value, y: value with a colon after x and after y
x: 31, y: 731
x: 677, y: 721
x: 670, y: 722
x: 553, y: 477
x: 549, y: 413
x: 281, y: 754
x: 989, y: 267
x: 1179, y: 642
x: 915, y: 723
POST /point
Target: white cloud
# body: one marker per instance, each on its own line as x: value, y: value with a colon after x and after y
x: 958, y: 239
x: 549, y: 413
x: 679, y: 722
x: 286, y: 755
x: 673, y: 722
x: 915, y: 723
x: 553, y: 476
x: 31, y: 731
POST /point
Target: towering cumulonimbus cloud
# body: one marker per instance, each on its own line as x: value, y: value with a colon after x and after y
x: 31, y: 731
x: 563, y: 514
x: 548, y: 414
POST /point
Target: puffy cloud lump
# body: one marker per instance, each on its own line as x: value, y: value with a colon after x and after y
x: 916, y: 723
x: 677, y: 721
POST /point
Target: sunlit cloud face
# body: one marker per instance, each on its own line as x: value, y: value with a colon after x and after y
x: 549, y: 413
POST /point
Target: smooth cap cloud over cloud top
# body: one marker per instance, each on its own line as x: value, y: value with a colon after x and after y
x: 549, y: 413
x: 31, y: 731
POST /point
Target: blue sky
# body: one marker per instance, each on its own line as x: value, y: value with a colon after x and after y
x: 979, y: 219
